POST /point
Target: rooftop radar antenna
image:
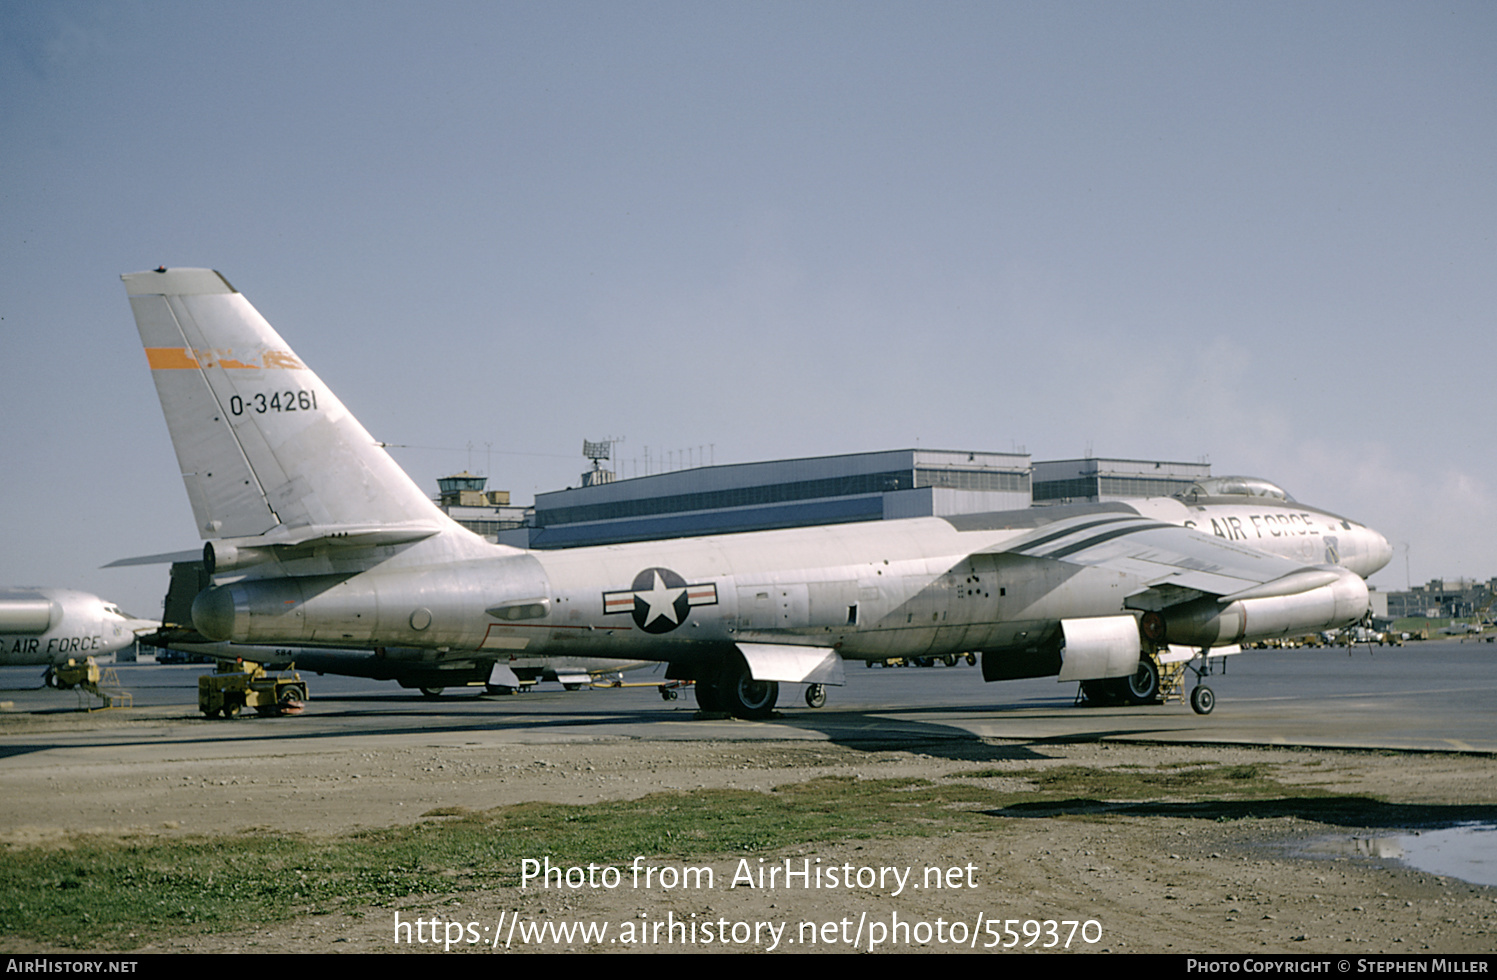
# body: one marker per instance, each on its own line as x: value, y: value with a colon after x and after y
x: 597, y: 452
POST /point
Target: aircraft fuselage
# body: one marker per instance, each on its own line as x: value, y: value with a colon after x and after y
x: 51, y: 626
x: 871, y: 590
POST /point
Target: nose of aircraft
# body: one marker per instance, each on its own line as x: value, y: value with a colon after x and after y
x: 1374, y: 552
x: 139, y: 626
x: 1379, y: 551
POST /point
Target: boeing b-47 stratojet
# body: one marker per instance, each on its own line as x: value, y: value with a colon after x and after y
x: 316, y: 537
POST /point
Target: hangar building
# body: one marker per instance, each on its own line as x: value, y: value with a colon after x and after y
x: 1092, y: 480
x: 781, y: 493
x: 828, y: 490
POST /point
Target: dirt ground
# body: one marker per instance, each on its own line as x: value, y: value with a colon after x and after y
x: 1165, y: 881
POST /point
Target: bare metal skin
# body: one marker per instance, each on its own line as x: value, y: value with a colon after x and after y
x: 318, y: 538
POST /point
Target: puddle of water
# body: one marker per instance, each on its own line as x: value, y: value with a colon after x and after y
x: 1466, y: 851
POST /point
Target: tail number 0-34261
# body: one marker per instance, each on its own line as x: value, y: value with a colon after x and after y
x: 277, y: 401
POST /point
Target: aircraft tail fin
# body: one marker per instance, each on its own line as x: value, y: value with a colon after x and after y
x: 264, y: 446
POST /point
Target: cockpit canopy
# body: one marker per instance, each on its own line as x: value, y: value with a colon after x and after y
x: 1234, y: 486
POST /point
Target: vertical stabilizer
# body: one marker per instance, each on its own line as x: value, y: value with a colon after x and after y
x: 262, y: 443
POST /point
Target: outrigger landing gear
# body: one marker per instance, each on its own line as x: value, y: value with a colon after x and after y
x: 1202, y: 698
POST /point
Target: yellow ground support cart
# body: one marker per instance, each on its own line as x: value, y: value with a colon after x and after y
x: 87, y: 677
x: 241, y: 684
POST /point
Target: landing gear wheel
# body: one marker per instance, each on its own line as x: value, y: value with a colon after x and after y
x: 1143, y: 686
x: 1202, y: 700
x: 748, y: 698
x: 487, y: 688
x: 667, y: 694
x: 709, y: 698
x: 571, y: 687
x: 1098, y: 693
x: 432, y: 692
x: 815, y: 695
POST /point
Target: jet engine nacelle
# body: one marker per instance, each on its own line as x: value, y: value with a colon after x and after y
x: 29, y: 613
x: 1209, y: 622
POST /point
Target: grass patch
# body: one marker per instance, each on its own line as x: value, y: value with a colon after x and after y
x: 1135, y: 783
x: 120, y: 894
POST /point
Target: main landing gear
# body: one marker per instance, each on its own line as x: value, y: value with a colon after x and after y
x: 1153, y: 684
x: 1140, y: 687
x: 732, y: 690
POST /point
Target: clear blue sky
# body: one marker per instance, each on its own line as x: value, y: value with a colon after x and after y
x: 1255, y: 233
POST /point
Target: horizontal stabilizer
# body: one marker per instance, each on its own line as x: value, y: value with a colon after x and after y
x: 165, y: 558
x: 286, y: 543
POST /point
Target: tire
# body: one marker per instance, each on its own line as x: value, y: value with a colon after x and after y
x: 1202, y: 700
x: 1143, y: 686
x: 815, y: 695
x: 743, y: 697
x: 293, y: 699
x: 432, y: 692
x: 708, y: 698
x: 571, y: 687
x: 1100, y: 692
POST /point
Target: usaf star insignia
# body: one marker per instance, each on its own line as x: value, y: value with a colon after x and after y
x: 659, y: 599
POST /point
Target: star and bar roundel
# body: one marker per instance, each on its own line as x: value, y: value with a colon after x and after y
x: 659, y: 599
